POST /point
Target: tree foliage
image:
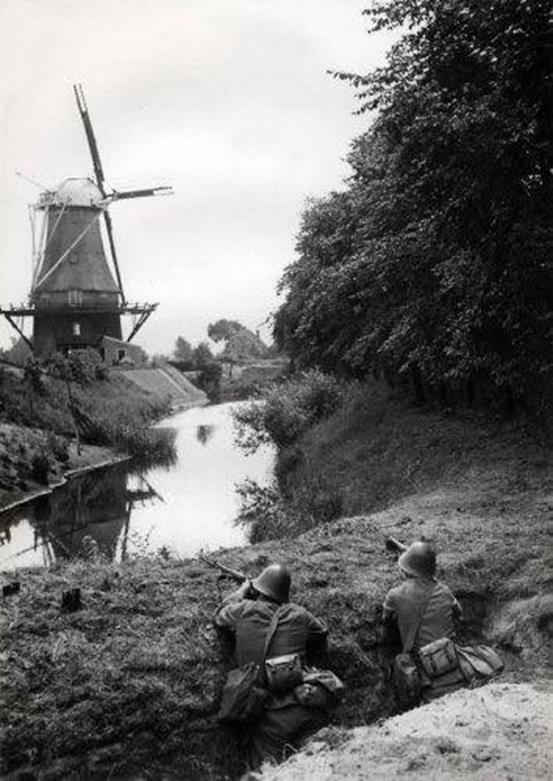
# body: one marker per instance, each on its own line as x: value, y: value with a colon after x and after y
x: 244, y: 346
x: 223, y: 330
x: 202, y: 355
x: 183, y: 351
x: 241, y: 344
x: 288, y: 410
x: 437, y: 259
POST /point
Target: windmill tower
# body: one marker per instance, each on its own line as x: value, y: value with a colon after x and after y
x: 77, y: 297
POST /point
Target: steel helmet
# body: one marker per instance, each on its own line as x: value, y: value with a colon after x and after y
x: 274, y: 582
x: 419, y: 560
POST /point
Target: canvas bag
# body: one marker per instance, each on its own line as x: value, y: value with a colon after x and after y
x: 244, y: 694
x: 438, y: 658
x: 320, y: 689
x: 479, y: 662
x: 283, y: 672
x: 243, y: 699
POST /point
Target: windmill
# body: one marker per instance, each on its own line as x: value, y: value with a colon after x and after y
x: 77, y: 296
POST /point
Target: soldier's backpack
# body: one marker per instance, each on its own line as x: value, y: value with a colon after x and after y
x: 479, y: 662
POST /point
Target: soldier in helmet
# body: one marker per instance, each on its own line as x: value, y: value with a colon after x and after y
x: 424, y: 609
x: 245, y: 617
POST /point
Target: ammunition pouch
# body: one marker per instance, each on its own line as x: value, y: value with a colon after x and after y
x: 438, y: 658
x: 320, y: 689
x: 283, y: 673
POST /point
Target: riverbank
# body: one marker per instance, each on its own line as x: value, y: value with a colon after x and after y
x: 131, y: 682
x: 38, y: 424
x: 33, y: 464
x: 183, y: 506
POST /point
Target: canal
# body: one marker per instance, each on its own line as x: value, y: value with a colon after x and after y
x: 183, y: 508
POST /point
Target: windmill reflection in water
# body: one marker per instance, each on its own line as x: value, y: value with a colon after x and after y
x: 88, y: 514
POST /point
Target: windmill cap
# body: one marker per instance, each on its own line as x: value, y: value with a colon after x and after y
x: 419, y: 560
x: 77, y: 192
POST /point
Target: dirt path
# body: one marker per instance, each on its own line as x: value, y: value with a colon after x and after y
x: 499, y: 731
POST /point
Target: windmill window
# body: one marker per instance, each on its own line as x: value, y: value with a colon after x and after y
x: 75, y: 296
x: 76, y: 329
x: 121, y: 354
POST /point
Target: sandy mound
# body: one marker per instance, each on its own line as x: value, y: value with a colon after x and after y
x: 499, y: 731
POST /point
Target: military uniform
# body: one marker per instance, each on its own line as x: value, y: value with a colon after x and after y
x: 424, y: 610
x: 403, y: 603
x: 298, y: 631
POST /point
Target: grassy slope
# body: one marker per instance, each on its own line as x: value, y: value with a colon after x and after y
x: 376, y: 450
x: 133, y: 679
x: 28, y: 421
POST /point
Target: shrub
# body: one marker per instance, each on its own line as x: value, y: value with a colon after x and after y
x: 40, y: 467
x: 289, y: 410
x: 209, y: 380
x: 59, y: 446
x: 80, y: 366
x: 268, y: 513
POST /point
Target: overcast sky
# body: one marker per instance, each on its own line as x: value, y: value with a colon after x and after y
x: 226, y: 100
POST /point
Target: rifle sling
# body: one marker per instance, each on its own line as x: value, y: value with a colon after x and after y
x: 416, y: 625
x: 271, y: 631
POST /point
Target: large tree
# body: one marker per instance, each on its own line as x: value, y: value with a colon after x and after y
x: 438, y: 257
x: 202, y: 355
x: 241, y: 344
x: 222, y: 330
x: 183, y: 352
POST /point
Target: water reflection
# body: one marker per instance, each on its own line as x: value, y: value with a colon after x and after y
x: 204, y: 433
x: 188, y: 506
x: 90, y: 512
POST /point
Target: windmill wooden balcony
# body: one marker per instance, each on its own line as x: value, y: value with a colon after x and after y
x: 74, y: 314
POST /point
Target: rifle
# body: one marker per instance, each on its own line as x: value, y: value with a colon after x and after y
x: 232, y: 573
x: 394, y: 545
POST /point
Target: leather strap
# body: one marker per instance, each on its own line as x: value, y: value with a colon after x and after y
x: 416, y: 625
x: 271, y: 631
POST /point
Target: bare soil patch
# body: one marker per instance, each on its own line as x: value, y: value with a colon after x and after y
x: 499, y: 731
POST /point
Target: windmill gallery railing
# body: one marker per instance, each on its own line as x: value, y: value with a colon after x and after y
x: 141, y: 312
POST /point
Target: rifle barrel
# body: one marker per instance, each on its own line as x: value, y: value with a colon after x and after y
x: 233, y: 573
x: 394, y: 544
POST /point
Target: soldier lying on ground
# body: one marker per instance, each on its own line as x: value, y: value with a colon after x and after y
x: 246, y: 616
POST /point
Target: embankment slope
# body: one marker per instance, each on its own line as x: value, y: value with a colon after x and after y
x: 132, y: 681
x: 164, y: 383
x: 130, y: 684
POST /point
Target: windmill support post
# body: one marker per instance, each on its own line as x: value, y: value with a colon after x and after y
x: 9, y: 315
x: 144, y: 312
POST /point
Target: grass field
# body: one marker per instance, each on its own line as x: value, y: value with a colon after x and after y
x: 129, y: 685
